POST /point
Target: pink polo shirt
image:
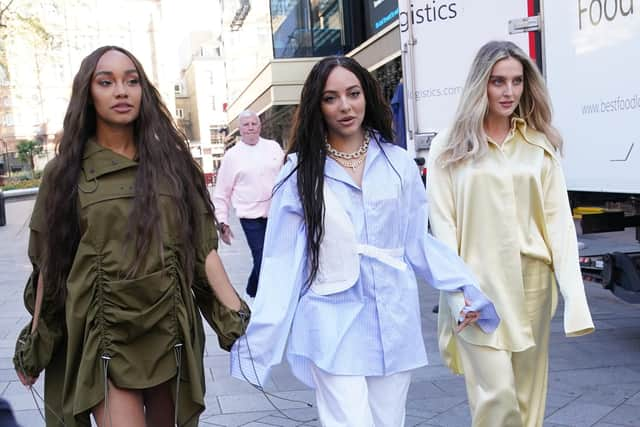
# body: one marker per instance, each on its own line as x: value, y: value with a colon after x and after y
x: 246, y: 178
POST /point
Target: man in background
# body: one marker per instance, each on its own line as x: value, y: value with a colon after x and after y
x: 245, y: 181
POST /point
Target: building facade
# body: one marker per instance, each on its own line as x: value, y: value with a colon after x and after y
x: 41, y: 57
x: 302, y: 32
x: 200, y: 96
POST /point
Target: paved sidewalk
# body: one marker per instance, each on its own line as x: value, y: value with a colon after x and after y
x: 594, y: 380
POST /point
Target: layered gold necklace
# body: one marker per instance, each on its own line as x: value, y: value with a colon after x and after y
x: 349, y: 160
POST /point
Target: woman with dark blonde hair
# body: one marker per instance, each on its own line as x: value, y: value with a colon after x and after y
x: 123, y: 243
x: 497, y: 197
x: 346, y: 238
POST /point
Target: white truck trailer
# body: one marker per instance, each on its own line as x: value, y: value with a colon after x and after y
x: 589, y: 52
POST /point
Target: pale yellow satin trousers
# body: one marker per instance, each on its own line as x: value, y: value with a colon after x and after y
x: 509, y: 389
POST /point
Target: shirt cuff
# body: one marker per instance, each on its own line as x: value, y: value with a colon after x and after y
x: 488, y: 320
x: 244, y: 367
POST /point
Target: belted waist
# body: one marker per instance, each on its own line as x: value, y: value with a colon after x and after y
x: 390, y: 256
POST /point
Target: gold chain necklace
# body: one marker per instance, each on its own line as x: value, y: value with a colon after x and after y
x: 349, y: 156
x: 353, y: 164
x: 349, y: 160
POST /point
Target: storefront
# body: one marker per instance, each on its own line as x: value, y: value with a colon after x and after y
x: 307, y: 30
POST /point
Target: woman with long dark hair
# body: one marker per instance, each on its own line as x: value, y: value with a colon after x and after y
x: 348, y: 237
x: 498, y: 197
x: 123, y: 246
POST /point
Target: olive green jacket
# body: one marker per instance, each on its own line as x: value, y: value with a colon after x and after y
x: 133, y: 327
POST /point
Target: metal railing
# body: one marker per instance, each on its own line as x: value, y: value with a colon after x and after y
x: 13, y: 194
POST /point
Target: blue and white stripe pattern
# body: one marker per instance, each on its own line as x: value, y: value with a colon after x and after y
x: 374, y: 327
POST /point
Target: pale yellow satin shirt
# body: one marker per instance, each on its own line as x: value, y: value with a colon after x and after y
x: 512, y: 201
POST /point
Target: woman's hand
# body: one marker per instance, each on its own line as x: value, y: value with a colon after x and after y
x: 225, y: 233
x: 468, y: 318
x: 26, y: 380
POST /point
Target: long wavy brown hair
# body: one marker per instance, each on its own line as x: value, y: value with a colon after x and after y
x: 163, y: 156
x: 309, y: 132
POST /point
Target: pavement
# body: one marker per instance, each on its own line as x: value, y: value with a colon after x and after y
x: 594, y: 380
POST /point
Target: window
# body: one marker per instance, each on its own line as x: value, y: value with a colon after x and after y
x: 378, y: 15
x: 8, y: 119
x: 213, y: 103
x: 217, y: 134
x: 306, y: 28
x: 177, y: 88
x: 180, y: 113
x: 6, y: 101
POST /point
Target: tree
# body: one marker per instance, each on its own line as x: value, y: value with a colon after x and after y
x: 20, y: 20
x: 27, y: 150
x: 4, y: 7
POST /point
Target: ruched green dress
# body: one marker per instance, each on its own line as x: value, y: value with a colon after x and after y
x: 140, y: 331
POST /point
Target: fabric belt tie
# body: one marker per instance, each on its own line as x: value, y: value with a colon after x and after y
x: 392, y: 257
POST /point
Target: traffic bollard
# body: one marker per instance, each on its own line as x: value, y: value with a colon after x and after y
x: 3, y: 212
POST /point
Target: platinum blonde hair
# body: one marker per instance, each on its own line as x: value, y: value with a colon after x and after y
x: 467, y: 138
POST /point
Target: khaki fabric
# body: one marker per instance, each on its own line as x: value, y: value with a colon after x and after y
x: 134, y: 323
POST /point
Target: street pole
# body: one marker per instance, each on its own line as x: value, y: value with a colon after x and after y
x: 7, y: 159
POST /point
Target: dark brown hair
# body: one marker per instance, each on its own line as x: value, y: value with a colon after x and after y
x: 163, y: 156
x: 308, y: 134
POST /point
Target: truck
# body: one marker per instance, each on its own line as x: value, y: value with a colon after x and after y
x: 589, y: 53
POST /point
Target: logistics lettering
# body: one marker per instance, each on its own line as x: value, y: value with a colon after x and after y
x: 432, y: 11
x: 594, y: 10
x: 433, y: 92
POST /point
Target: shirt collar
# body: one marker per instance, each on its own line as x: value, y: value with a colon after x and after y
x: 251, y: 145
x: 534, y: 137
x: 98, y: 160
x: 517, y: 123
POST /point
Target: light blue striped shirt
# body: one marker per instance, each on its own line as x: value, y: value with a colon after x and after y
x: 374, y: 327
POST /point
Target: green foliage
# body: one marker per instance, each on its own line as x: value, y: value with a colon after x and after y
x: 27, y: 150
x: 18, y: 183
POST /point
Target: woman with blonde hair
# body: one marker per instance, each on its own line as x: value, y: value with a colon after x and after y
x: 498, y: 197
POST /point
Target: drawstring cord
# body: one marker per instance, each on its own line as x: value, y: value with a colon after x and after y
x: 177, y: 349
x: 105, y: 368
x: 244, y: 316
x: 35, y: 392
x: 178, y: 356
